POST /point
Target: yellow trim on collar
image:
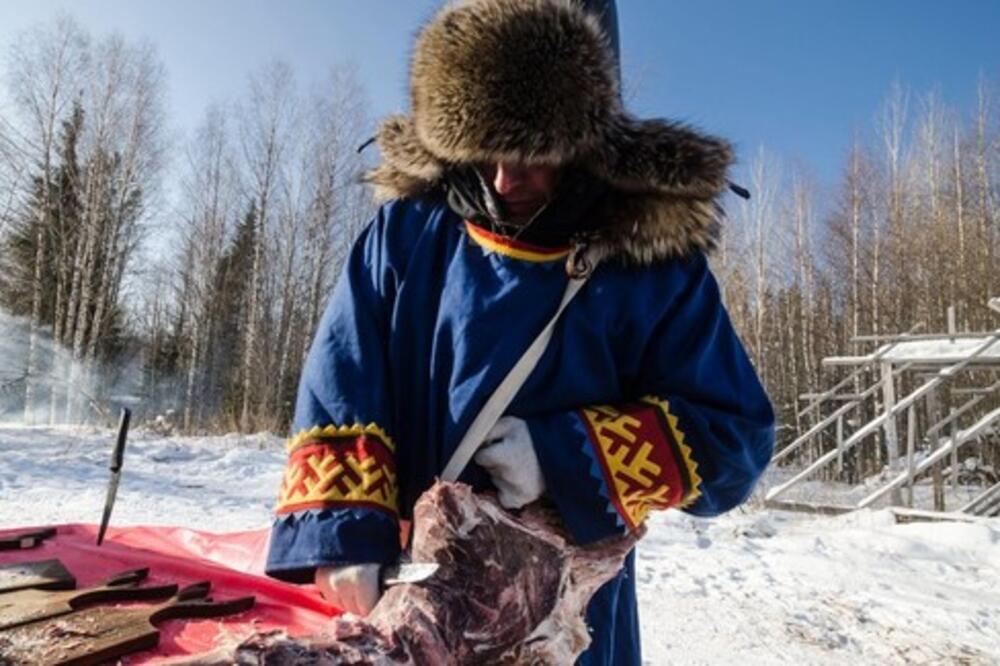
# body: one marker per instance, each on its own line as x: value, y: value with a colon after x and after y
x: 509, y: 247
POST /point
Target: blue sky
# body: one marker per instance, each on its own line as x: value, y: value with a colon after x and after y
x: 798, y: 76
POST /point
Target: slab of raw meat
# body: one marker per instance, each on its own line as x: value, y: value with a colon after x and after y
x: 510, y: 589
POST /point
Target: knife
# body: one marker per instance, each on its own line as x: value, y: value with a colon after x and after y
x: 405, y: 572
x: 117, y: 456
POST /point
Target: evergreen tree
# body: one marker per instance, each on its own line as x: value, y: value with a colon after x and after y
x: 62, y: 227
x: 231, y: 288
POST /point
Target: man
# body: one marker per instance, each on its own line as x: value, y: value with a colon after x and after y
x: 515, y: 158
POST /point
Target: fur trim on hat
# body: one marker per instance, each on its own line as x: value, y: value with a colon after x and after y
x: 534, y: 81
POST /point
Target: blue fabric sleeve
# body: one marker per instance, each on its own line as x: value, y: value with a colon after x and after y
x: 696, y: 362
x: 309, y: 539
x: 339, y: 498
x: 572, y: 480
x: 696, y: 433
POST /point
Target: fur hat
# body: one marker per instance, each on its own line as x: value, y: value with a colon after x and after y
x: 536, y: 81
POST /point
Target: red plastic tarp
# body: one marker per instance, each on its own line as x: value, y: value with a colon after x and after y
x: 233, y: 562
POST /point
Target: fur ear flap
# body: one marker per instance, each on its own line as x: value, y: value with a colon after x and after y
x: 661, y: 156
x: 408, y: 169
x: 652, y: 227
x: 536, y: 81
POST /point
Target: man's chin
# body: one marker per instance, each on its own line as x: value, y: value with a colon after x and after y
x: 520, y: 215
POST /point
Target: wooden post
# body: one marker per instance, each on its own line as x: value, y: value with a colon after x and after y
x: 911, y: 437
x: 954, y: 455
x: 934, y: 413
x: 938, y: 488
x: 798, y: 420
x: 840, y: 447
x: 891, y: 440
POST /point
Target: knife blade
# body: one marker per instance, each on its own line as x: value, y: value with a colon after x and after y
x: 117, y: 457
x: 406, y: 572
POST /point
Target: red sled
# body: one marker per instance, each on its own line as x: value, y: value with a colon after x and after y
x: 233, y: 562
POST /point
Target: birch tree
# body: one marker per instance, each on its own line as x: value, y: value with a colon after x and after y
x: 210, y: 207
x: 265, y: 121
x: 805, y: 267
x: 44, y: 68
x: 139, y: 146
x: 986, y: 151
x: 890, y: 128
x: 928, y: 162
x: 758, y: 219
x: 124, y: 149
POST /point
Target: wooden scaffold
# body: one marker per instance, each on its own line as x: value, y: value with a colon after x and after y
x: 944, y: 389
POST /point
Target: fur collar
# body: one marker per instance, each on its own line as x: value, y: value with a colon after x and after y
x: 535, y: 81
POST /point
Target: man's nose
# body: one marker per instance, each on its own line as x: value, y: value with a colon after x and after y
x: 507, y: 178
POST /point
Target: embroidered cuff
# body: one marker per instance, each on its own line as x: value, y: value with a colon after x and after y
x: 641, y: 456
x: 340, y: 467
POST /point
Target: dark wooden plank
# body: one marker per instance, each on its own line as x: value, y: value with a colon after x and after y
x: 18, y: 608
x: 41, y: 574
x: 26, y: 540
x: 96, y: 635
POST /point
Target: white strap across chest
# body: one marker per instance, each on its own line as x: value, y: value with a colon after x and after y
x: 508, y: 388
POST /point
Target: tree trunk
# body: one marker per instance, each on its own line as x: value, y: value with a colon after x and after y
x: 86, y: 286
x: 961, y: 280
x: 36, y: 315
x: 252, y: 321
x: 192, y: 371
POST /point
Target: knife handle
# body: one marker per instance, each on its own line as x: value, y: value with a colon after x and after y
x: 119, y: 451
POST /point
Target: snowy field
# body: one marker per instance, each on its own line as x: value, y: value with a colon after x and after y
x: 753, y: 587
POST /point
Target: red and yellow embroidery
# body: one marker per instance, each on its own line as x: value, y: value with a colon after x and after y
x: 513, y: 248
x: 643, y: 456
x: 340, y: 467
x: 331, y: 432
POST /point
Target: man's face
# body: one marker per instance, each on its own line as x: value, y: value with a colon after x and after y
x: 522, y: 188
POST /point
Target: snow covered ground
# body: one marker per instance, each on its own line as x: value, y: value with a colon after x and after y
x: 755, y: 586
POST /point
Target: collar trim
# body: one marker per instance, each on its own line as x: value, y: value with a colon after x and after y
x: 510, y: 247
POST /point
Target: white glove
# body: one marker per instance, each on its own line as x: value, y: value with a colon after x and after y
x: 509, y: 456
x: 353, y: 588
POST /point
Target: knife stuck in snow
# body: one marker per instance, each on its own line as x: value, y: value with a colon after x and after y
x: 117, y: 455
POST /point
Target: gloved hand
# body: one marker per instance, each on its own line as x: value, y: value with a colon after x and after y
x: 509, y: 456
x: 352, y: 588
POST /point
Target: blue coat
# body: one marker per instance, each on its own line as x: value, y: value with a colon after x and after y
x: 644, y: 400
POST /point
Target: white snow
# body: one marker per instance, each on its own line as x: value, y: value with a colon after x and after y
x: 945, y: 350
x: 755, y: 586
x: 60, y: 475
x: 777, y: 588
x: 940, y: 351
